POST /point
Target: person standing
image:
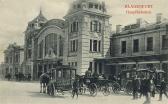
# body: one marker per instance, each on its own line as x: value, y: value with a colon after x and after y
x: 162, y: 89
x: 147, y: 90
x: 75, y: 88
x: 136, y: 86
x: 152, y: 86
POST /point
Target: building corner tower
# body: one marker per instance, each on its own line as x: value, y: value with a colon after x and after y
x: 87, y: 35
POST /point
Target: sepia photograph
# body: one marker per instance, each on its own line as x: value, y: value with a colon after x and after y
x: 83, y: 52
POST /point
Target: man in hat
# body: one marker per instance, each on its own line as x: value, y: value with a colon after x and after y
x: 162, y: 89
x: 75, y: 87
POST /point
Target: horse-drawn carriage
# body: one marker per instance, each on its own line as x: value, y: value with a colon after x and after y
x: 62, y: 78
x: 95, y: 84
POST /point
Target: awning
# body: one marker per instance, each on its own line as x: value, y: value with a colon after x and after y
x: 130, y: 59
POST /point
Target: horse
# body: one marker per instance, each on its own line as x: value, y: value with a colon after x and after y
x: 44, y: 80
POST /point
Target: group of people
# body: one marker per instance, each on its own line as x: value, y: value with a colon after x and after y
x: 147, y: 88
x: 19, y: 76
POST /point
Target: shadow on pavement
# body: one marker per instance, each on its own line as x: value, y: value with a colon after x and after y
x: 44, y: 95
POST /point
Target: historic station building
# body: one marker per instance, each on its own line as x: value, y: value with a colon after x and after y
x: 139, y: 45
x: 84, y: 40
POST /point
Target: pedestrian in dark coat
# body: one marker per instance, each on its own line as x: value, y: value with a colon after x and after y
x: 75, y: 88
x: 142, y: 87
x: 162, y: 89
x: 147, y: 91
x: 136, y: 86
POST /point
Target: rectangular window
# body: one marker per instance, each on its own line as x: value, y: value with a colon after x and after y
x: 165, y: 42
x: 90, y: 45
x: 95, y: 67
x: 90, y: 66
x: 136, y: 45
x: 95, y: 26
x: 29, y: 53
x: 123, y: 47
x: 73, y: 44
x: 76, y: 64
x: 71, y: 28
x: 99, y: 48
x: 72, y: 63
x: 79, y: 6
x: 150, y: 44
x: 91, y: 26
x: 76, y: 45
x: 90, y: 5
x: 96, y: 6
x: 6, y: 59
x: 95, y: 45
x: 100, y: 68
x: 100, y: 7
x: 74, y: 27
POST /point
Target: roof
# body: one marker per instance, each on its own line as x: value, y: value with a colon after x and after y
x: 83, y: 5
x: 138, y: 28
x: 57, y: 22
x: 40, y: 17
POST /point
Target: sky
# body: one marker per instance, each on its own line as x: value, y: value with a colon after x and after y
x: 15, y: 14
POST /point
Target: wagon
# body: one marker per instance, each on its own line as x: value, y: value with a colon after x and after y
x: 94, y: 85
x: 62, y: 78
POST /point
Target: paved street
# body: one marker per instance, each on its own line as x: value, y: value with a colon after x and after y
x: 28, y: 93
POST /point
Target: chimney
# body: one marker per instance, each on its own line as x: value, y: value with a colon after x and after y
x: 118, y: 28
x: 158, y: 17
x: 139, y: 21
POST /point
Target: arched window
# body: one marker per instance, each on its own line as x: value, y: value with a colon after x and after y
x: 51, y: 43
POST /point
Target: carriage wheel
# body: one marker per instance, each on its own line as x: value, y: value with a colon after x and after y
x: 106, y: 90
x: 93, y: 89
x: 116, y: 88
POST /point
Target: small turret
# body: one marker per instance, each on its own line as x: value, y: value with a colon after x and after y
x: 37, y: 23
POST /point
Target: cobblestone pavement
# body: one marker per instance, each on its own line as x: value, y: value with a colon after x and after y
x: 28, y: 93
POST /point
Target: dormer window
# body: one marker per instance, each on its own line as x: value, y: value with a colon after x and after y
x: 90, y: 5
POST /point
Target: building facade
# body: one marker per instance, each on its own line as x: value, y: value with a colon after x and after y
x: 49, y: 46
x: 43, y: 45
x: 87, y: 35
x: 13, y: 60
x: 140, y: 45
